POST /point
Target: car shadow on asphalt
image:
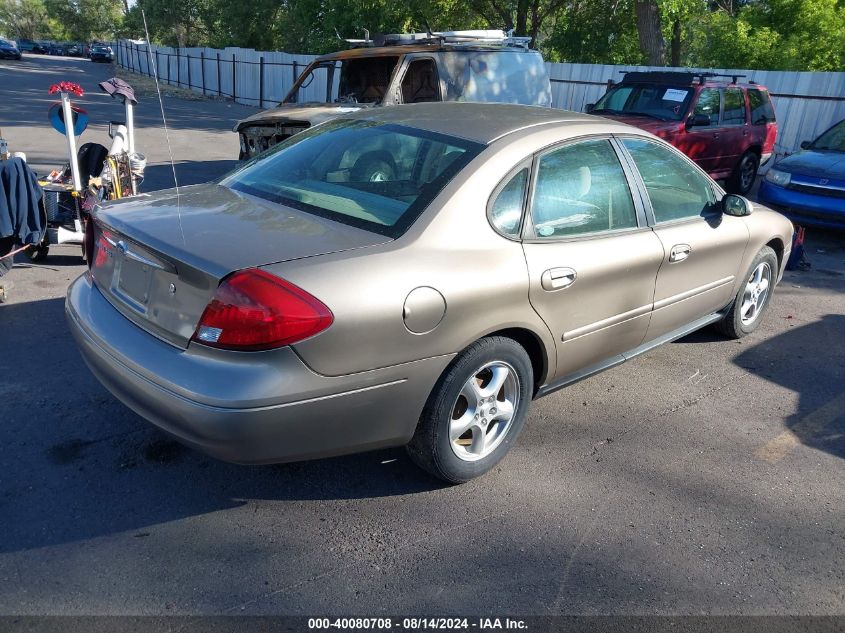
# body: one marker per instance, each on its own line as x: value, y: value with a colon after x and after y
x: 809, y: 361
x: 78, y: 464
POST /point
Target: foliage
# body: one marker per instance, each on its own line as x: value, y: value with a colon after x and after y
x: 766, y: 34
x: 73, y: 20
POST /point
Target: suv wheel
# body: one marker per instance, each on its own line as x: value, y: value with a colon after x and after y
x: 745, y: 173
x: 475, y: 412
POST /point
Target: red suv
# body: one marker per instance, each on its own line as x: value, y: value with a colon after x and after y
x: 728, y: 128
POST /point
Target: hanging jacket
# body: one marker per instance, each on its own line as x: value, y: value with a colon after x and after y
x: 20, y: 202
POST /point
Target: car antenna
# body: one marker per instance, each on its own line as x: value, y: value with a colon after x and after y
x: 154, y: 66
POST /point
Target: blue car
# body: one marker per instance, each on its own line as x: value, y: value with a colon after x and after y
x: 809, y: 187
x: 9, y: 50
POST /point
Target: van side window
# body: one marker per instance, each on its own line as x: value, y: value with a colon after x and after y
x: 762, y: 111
x: 421, y: 82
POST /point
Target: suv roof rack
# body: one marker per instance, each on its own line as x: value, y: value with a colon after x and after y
x: 489, y: 37
x: 652, y: 76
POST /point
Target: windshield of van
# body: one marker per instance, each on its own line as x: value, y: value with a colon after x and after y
x: 662, y: 102
x: 351, y: 81
x: 371, y: 175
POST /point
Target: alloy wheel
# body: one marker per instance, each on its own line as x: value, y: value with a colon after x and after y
x: 756, y: 293
x: 484, y: 411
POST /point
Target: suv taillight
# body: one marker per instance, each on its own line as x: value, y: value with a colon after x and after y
x: 254, y: 310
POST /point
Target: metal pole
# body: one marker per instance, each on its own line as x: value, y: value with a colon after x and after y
x: 157, y: 64
x: 202, y: 71
x: 71, y: 142
x: 178, y: 68
x: 168, y: 68
x: 234, y: 92
x: 219, y: 84
x: 261, y: 81
x: 130, y: 133
x: 188, y: 57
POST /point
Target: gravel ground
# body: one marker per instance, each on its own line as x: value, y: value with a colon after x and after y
x: 705, y: 477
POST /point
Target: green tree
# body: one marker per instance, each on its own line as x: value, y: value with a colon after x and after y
x: 24, y: 19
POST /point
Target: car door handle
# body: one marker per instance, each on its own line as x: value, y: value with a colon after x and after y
x: 679, y: 252
x: 557, y: 278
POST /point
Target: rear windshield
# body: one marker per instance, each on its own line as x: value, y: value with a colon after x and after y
x: 662, y: 102
x: 371, y: 175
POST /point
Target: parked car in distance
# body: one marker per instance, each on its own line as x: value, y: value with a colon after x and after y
x: 728, y: 128
x: 483, y: 66
x: 56, y: 48
x: 809, y: 187
x: 9, y: 50
x: 101, y: 53
x: 503, y: 253
x: 30, y: 46
x: 73, y: 50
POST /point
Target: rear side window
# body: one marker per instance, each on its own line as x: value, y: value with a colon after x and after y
x: 581, y: 188
x: 734, y: 113
x: 762, y: 111
x: 506, y: 210
x: 709, y: 103
x: 677, y: 190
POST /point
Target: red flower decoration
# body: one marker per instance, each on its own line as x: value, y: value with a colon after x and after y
x: 66, y: 86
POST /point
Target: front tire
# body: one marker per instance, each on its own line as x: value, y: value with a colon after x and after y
x: 753, y: 298
x: 475, y: 411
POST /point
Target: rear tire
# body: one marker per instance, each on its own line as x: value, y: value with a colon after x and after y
x: 750, y: 304
x: 744, y: 174
x: 475, y: 411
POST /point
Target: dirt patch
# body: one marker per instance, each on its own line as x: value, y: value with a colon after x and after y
x: 145, y: 87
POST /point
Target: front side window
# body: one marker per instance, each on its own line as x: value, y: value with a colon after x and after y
x: 734, y: 113
x: 375, y: 176
x: 677, y: 189
x: 581, y: 188
x: 709, y: 103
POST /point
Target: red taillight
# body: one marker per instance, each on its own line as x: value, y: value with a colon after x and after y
x: 253, y: 310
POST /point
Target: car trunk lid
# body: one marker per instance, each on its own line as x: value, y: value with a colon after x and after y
x: 159, y: 259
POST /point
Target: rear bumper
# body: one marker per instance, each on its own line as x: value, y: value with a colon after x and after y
x: 804, y: 209
x: 259, y: 407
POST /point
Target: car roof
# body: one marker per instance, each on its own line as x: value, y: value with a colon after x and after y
x: 689, y: 79
x: 479, y: 122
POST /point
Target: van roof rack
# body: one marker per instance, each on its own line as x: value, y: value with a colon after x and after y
x: 650, y: 76
x: 480, y: 37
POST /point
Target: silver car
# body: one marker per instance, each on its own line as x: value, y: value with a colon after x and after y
x: 412, y: 276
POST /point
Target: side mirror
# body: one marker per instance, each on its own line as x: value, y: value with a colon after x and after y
x: 589, y: 107
x: 736, y: 206
x: 698, y: 120
x: 806, y: 144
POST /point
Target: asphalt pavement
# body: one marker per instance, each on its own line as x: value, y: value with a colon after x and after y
x: 705, y: 477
